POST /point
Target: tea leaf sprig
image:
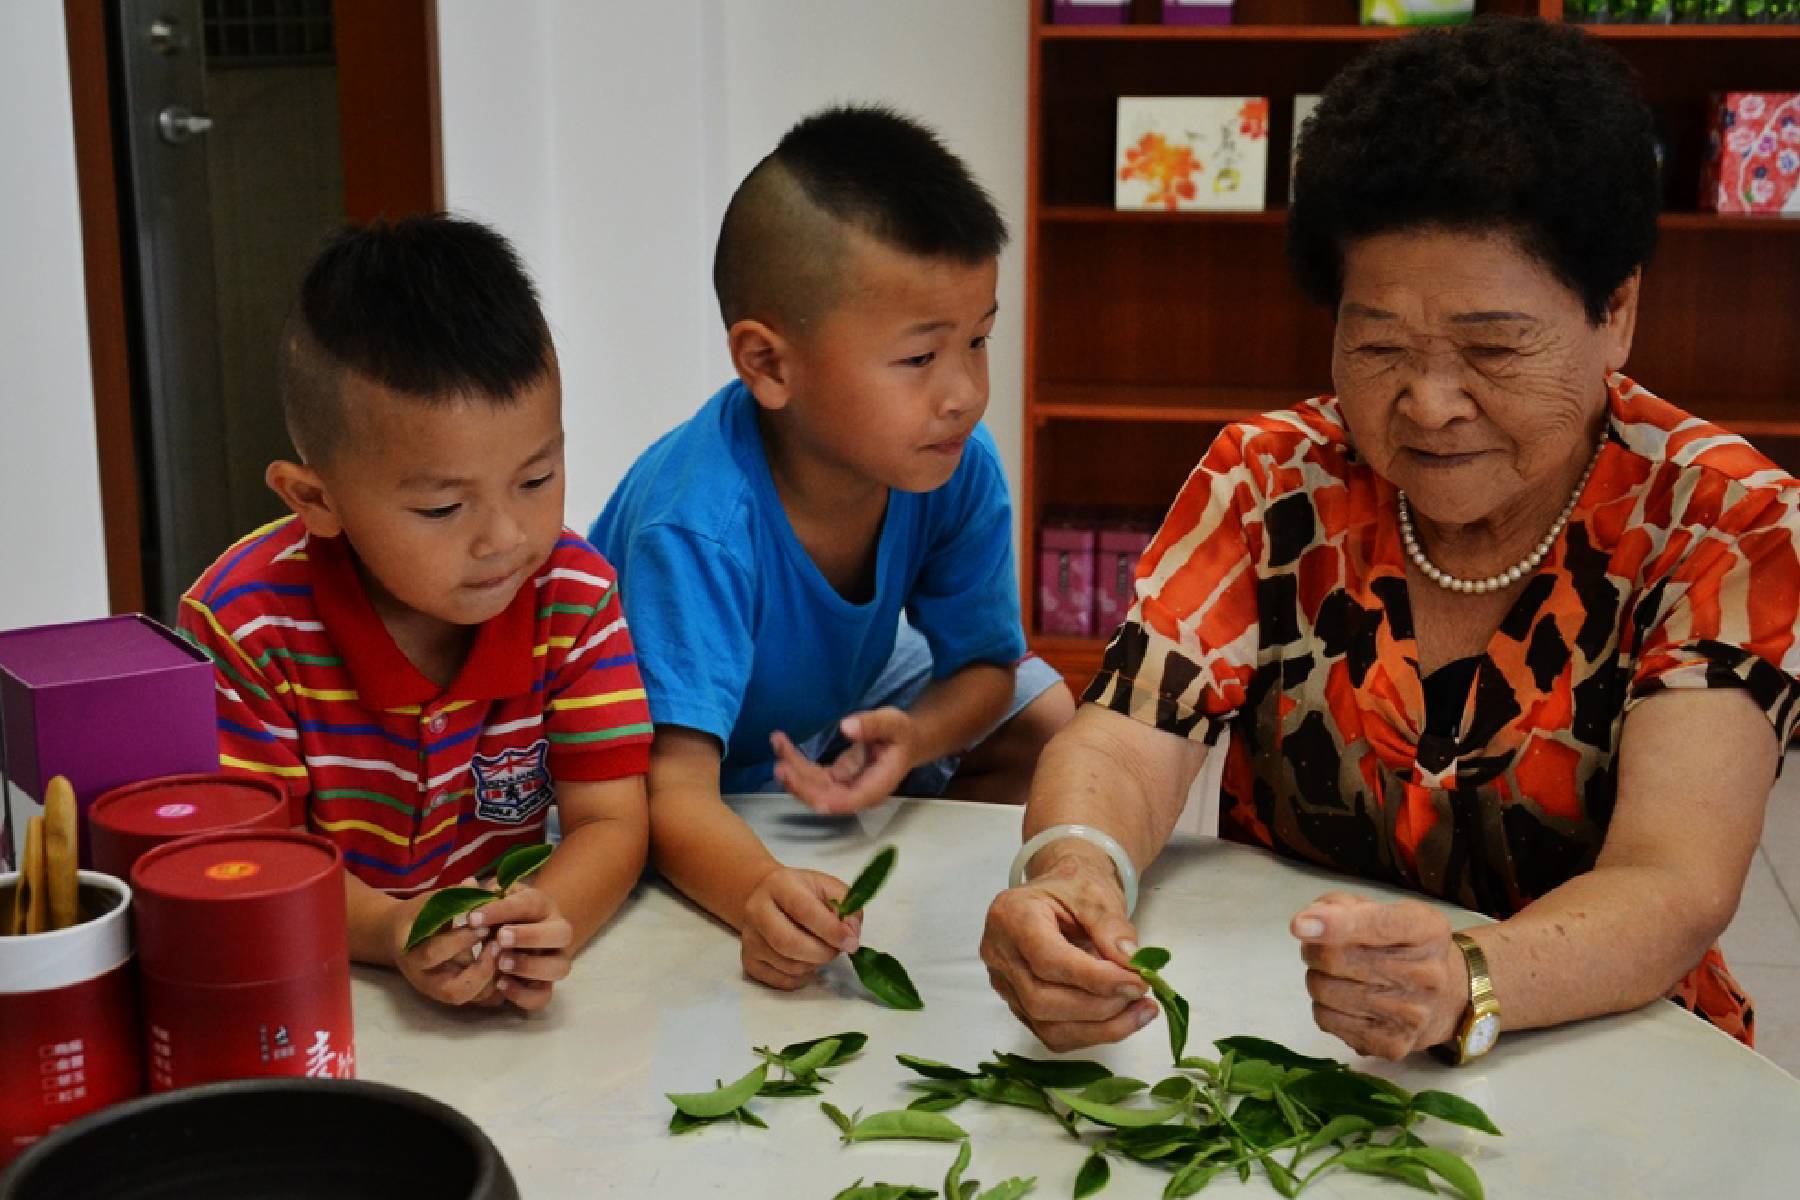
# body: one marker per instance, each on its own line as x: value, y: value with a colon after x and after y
x: 1259, y: 1105
x: 880, y: 973
x: 443, y: 907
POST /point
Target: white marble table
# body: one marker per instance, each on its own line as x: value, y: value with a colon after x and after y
x: 1650, y: 1104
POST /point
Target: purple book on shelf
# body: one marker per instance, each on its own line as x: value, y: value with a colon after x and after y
x: 1090, y: 12
x: 1066, y: 580
x: 1196, y: 12
x: 104, y: 703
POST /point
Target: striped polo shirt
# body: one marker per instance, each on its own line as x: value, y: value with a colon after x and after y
x: 421, y: 786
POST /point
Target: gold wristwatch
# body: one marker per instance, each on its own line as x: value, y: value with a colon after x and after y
x: 1480, y: 1026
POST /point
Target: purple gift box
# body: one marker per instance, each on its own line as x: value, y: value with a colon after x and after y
x: 1115, y: 572
x: 105, y: 703
x: 1090, y: 12
x: 1066, y: 579
x: 1196, y: 12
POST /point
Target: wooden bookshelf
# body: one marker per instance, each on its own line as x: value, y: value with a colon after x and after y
x: 1147, y: 332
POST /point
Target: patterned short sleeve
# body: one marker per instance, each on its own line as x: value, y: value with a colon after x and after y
x: 1184, y: 657
x: 1727, y: 613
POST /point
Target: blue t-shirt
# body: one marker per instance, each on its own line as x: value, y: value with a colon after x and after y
x: 738, y: 633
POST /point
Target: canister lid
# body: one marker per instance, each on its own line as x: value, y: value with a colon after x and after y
x: 179, y: 805
x: 240, y: 906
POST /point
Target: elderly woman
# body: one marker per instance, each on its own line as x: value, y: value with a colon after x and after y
x: 1492, y: 622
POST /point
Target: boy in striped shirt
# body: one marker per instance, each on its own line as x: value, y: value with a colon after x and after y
x: 422, y: 654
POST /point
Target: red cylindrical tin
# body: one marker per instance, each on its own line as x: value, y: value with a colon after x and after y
x: 128, y: 822
x: 244, y: 958
x: 71, y: 1043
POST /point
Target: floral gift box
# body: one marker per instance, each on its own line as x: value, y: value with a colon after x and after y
x: 1753, y: 156
x: 1199, y: 153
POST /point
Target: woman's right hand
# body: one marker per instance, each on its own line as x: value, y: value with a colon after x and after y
x: 1057, y: 949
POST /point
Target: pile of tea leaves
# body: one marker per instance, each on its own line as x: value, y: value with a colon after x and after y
x: 1258, y: 1107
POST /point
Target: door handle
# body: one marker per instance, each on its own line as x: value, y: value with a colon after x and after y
x: 177, y: 125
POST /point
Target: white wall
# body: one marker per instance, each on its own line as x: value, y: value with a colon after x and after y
x: 52, y: 556
x: 606, y: 139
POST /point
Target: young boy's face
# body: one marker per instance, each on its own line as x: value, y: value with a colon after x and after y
x: 891, y: 381
x: 452, y: 506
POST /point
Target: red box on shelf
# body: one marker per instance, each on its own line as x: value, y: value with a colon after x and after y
x: 1753, y: 154
x: 1115, y: 572
x: 1066, y: 579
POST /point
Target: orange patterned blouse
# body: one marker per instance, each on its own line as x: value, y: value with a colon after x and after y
x: 1273, y: 602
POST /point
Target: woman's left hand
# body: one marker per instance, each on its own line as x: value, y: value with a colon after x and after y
x: 1386, y: 978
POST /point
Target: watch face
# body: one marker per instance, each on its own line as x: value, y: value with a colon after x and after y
x: 1482, y: 1036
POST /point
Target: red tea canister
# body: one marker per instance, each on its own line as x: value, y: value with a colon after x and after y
x: 69, y: 1036
x: 244, y: 958
x: 128, y: 822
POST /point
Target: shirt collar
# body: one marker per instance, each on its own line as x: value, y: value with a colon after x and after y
x: 499, y: 662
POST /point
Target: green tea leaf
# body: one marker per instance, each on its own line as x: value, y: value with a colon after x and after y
x: 809, y: 1063
x: 680, y: 1122
x: 781, y: 1089
x: 905, y: 1123
x: 886, y: 979
x: 1011, y: 1189
x: 1093, y: 1177
x: 1376, y: 1160
x: 868, y: 882
x: 1118, y: 1116
x: 721, y: 1101
x: 1454, y: 1109
x: 1446, y: 1166
x: 1336, y: 1130
x: 746, y: 1117
x: 1016, y: 1092
x: 1195, y: 1063
x: 953, y: 1184
x: 1254, y: 1077
x: 1154, y: 1143
x: 849, y: 1046
x: 1189, y: 1180
x: 520, y: 862
x: 1150, y: 958
x: 1260, y: 1122
x: 1338, y: 1092
x: 443, y: 907
x: 1290, y: 1112
x: 1175, y: 1087
x: 1051, y: 1073
x: 1282, y: 1178
x: 1113, y: 1089
x: 1263, y: 1050
x: 885, y: 1191
x: 933, y: 1069
x: 1174, y: 1004
x: 837, y: 1117
x: 941, y: 1102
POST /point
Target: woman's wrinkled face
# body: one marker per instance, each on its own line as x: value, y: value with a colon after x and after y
x: 1470, y: 376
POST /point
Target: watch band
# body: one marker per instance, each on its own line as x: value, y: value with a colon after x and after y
x: 1479, y: 1027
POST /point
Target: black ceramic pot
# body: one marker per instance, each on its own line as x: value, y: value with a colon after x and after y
x: 274, y: 1139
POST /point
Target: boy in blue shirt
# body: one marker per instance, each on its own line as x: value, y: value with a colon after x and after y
x: 769, y: 548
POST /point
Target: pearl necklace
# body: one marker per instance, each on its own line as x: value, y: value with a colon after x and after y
x: 1512, y: 574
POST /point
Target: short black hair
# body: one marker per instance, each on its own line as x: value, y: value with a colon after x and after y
x: 863, y: 167
x: 433, y: 307
x: 1508, y: 125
